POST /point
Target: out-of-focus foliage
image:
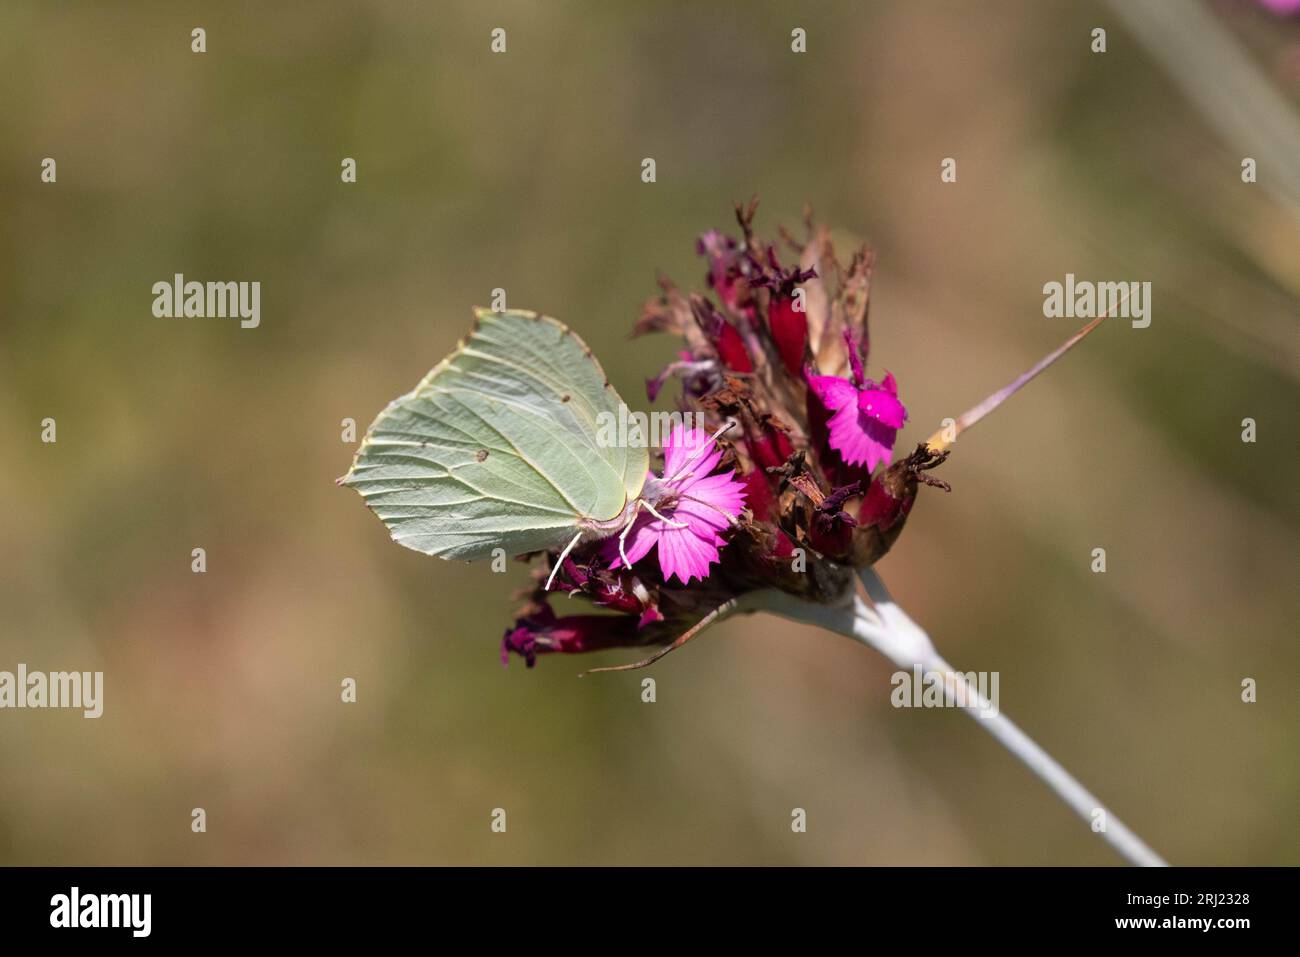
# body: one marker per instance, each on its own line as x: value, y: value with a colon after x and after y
x: 522, y: 171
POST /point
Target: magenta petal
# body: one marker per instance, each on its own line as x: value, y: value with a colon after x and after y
x: 696, y: 506
x: 834, y: 392
x: 883, y: 406
x: 882, y: 438
x: 681, y: 453
x: 848, y: 438
x: 721, y: 491
x: 700, y: 554
x: 701, y: 518
x: 649, y: 617
x: 685, y: 555
x: 668, y: 562
x: 638, y: 543
x: 860, y: 439
x: 866, y: 421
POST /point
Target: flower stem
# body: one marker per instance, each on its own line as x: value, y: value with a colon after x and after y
x: 888, y: 629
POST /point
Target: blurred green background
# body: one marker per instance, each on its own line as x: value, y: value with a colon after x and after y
x: 522, y: 171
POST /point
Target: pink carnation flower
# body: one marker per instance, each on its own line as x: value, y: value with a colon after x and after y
x: 866, y: 417
x: 695, y: 508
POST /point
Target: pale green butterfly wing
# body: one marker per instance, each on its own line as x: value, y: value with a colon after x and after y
x: 499, y: 446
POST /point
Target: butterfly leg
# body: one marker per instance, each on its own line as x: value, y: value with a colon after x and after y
x: 560, y: 561
x: 622, y: 537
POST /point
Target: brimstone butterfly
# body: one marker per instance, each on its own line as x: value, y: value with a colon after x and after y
x: 499, y: 447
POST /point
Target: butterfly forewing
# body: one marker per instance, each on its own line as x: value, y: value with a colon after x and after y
x: 499, y: 446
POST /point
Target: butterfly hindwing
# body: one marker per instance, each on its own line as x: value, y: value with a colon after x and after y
x: 499, y: 445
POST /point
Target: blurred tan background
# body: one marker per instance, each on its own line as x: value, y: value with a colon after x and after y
x: 522, y: 171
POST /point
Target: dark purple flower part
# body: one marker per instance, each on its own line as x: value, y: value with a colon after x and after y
x: 699, y: 376
x: 787, y: 313
x: 724, y: 338
x: 789, y: 327
x: 889, y: 501
x: 617, y: 591
x: 541, y: 632
x: 726, y: 276
x: 795, y: 492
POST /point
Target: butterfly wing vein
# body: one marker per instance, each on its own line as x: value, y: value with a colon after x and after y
x: 499, y: 446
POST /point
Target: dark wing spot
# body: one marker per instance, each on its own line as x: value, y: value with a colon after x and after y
x: 566, y: 397
x: 481, y: 454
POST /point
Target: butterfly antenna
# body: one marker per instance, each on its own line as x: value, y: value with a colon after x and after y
x: 731, y: 519
x: 560, y: 561
x: 667, y: 521
x: 722, y: 610
x: 701, y: 449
